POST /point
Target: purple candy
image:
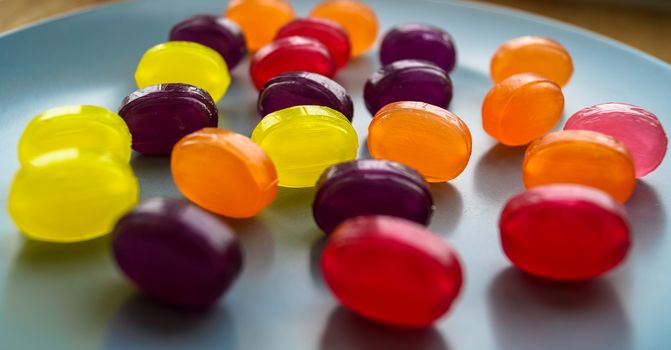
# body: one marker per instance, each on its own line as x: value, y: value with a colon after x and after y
x: 218, y: 33
x: 370, y: 187
x: 177, y: 252
x: 160, y: 115
x: 303, y: 88
x: 421, y: 42
x: 408, y: 80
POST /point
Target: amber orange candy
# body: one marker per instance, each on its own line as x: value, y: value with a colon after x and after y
x: 359, y: 21
x: 259, y: 19
x: 224, y: 172
x: 532, y: 54
x: 522, y: 108
x: 581, y: 157
x: 425, y: 137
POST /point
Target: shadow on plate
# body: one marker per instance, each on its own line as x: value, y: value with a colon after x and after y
x: 315, y: 261
x: 646, y: 215
x: 153, y: 173
x: 346, y: 330
x: 449, y: 207
x: 498, y: 173
x: 532, y: 313
x: 257, y: 244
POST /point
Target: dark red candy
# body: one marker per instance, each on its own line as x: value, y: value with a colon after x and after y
x: 303, y: 88
x: 160, y: 115
x: 290, y: 54
x: 177, y: 252
x: 370, y: 187
x: 564, y: 232
x: 408, y: 80
x: 391, y: 270
x: 218, y: 33
x: 420, y: 42
x: 329, y: 33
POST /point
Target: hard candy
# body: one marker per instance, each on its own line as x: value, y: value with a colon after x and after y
x: 358, y: 19
x: 532, y: 54
x: 329, y: 33
x: 259, y: 19
x: 419, y: 42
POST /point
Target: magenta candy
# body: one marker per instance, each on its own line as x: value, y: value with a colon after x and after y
x: 303, y: 88
x: 420, y: 42
x: 370, y: 187
x: 218, y: 33
x: 639, y: 129
x: 177, y: 252
x: 160, y: 115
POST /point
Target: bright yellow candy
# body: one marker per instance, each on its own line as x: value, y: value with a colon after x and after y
x: 187, y: 63
x: 83, y: 127
x: 303, y: 141
x: 71, y: 195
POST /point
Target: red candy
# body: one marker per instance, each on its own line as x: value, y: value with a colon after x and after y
x: 564, y: 232
x: 391, y: 270
x: 290, y: 54
x: 329, y: 33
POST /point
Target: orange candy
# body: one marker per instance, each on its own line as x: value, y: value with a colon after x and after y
x: 429, y: 139
x: 224, y: 172
x: 580, y: 157
x: 532, y: 54
x: 521, y: 109
x: 357, y: 18
x: 259, y: 19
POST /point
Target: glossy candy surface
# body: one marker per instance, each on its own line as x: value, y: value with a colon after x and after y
x: 408, y: 80
x: 356, y: 17
x: 391, y: 270
x: 224, y: 172
x: 291, y: 54
x: 637, y: 128
x: 580, y: 157
x: 84, y: 127
x: 521, y: 109
x: 370, y: 187
x: 259, y: 19
x: 184, y: 62
x: 564, y: 232
x: 329, y: 33
x: 303, y: 141
x: 429, y: 139
x: 217, y: 33
x: 159, y: 115
x: 71, y: 195
x: 303, y: 88
x: 420, y: 42
x: 177, y: 252
x: 532, y: 54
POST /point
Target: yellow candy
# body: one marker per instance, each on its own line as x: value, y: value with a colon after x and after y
x: 71, y: 195
x: 184, y: 62
x: 83, y: 127
x: 303, y: 141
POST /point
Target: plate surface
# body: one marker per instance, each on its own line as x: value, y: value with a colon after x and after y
x: 72, y: 297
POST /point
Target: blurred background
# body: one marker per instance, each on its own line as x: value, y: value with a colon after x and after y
x: 645, y: 24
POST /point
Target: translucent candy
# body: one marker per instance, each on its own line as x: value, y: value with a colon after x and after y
x: 177, y: 252
x: 419, y: 42
x: 187, y: 63
x: 391, y: 270
x: 224, y: 172
x: 84, y: 127
x: 71, y: 195
x: 521, y: 109
x: 329, y: 33
x: 259, y: 19
x: 532, y: 54
x: 303, y: 141
x: 427, y: 138
x: 638, y: 129
x: 564, y: 232
x: 356, y: 17
x: 580, y: 157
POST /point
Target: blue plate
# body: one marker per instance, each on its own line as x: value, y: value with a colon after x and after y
x: 72, y: 296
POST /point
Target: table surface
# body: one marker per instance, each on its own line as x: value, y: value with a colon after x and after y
x: 642, y: 24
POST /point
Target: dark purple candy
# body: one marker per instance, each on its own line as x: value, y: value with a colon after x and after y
x: 408, y: 80
x: 420, y: 42
x: 160, y: 115
x: 218, y: 33
x: 370, y: 187
x: 177, y: 252
x: 303, y: 88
